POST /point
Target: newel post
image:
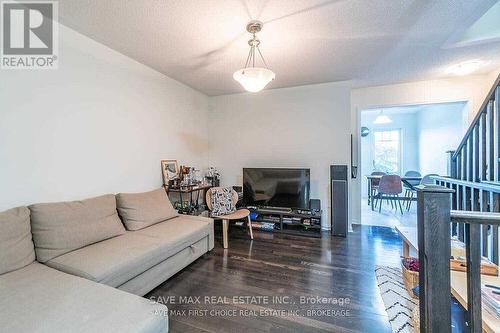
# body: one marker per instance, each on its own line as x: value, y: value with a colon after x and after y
x: 451, y: 166
x: 434, y: 255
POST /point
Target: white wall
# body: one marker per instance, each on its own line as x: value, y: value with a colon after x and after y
x: 301, y: 127
x: 407, y: 123
x: 100, y: 123
x: 440, y: 129
x: 471, y: 89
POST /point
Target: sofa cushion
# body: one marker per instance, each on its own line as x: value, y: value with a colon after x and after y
x: 62, y: 227
x: 118, y: 260
x: 176, y: 234
x: 40, y: 299
x: 140, y: 210
x: 113, y: 261
x: 16, y: 246
x: 222, y: 201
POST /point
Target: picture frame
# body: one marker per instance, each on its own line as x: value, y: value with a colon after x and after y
x: 169, y: 170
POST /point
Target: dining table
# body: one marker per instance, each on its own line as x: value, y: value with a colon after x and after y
x: 407, y: 180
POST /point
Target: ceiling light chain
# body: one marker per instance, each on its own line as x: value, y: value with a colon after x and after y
x: 254, y: 44
x: 262, y: 57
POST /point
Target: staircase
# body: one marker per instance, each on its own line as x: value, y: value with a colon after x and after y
x: 466, y: 204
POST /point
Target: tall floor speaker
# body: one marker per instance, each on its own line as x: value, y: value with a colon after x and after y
x: 339, y: 199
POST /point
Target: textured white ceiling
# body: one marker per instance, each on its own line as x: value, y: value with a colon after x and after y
x: 202, y: 42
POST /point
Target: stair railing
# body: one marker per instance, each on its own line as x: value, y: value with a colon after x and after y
x: 466, y: 204
x: 434, y: 221
x: 477, y: 197
x: 477, y: 157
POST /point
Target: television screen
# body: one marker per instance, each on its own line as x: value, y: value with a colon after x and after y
x: 276, y: 187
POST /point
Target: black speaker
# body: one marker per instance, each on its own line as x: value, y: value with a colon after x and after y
x: 340, y: 199
x: 315, y: 204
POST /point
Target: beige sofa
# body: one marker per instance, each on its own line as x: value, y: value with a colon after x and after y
x: 92, y: 258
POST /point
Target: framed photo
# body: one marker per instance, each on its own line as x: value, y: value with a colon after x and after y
x: 169, y: 170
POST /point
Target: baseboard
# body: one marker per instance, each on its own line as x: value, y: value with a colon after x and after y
x: 353, y: 221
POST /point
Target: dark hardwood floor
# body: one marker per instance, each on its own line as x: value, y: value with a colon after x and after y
x: 288, y: 270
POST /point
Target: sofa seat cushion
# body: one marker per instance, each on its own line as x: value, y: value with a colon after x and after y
x: 16, y: 246
x: 118, y: 260
x: 178, y: 233
x: 62, y: 227
x: 140, y: 210
x: 113, y: 261
x: 40, y: 299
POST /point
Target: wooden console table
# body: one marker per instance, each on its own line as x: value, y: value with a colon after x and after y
x: 491, y: 323
x: 193, y: 191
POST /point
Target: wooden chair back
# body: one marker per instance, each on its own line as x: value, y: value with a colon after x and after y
x: 390, y: 184
x: 412, y: 173
x: 208, y: 197
x: 376, y: 182
x: 427, y: 180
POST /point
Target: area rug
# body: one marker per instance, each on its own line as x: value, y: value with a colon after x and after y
x: 398, y: 304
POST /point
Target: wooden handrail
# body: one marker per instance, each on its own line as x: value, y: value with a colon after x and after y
x: 483, y: 185
x: 477, y: 117
x: 462, y: 216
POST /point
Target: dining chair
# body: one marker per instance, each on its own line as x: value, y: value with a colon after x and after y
x: 390, y: 188
x: 374, y: 183
x: 237, y: 215
x: 409, y: 190
x: 426, y: 180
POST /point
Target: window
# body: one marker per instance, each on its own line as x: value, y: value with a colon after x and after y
x: 387, y: 151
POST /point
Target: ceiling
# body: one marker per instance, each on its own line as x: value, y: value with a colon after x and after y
x: 202, y: 42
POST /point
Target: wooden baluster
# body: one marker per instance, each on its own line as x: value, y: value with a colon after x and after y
x: 478, y: 206
x: 475, y: 200
x: 494, y: 202
x: 454, y: 197
x: 470, y: 162
x: 459, y: 165
x: 475, y: 153
x: 464, y: 161
x: 490, y: 197
x: 454, y: 226
x: 484, y: 163
x: 452, y: 164
x: 494, y: 243
x: 460, y: 206
x: 496, y: 135
x: 467, y: 205
x: 484, y: 207
x: 433, y: 204
x: 491, y: 140
x: 467, y: 198
x: 472, y: 249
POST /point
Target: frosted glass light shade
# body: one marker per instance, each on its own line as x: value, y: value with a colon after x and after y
x: 254, y: 79
x: 382, y: 119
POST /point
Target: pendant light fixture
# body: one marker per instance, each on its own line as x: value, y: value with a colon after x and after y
x: 382, y: 118
x: 252, y: 78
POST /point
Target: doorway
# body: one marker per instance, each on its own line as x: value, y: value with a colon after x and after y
x: 402, y: 140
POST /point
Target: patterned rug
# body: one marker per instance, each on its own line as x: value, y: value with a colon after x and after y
x: 398, y: 304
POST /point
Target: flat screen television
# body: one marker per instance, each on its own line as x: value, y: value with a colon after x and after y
x: 274, y: 187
